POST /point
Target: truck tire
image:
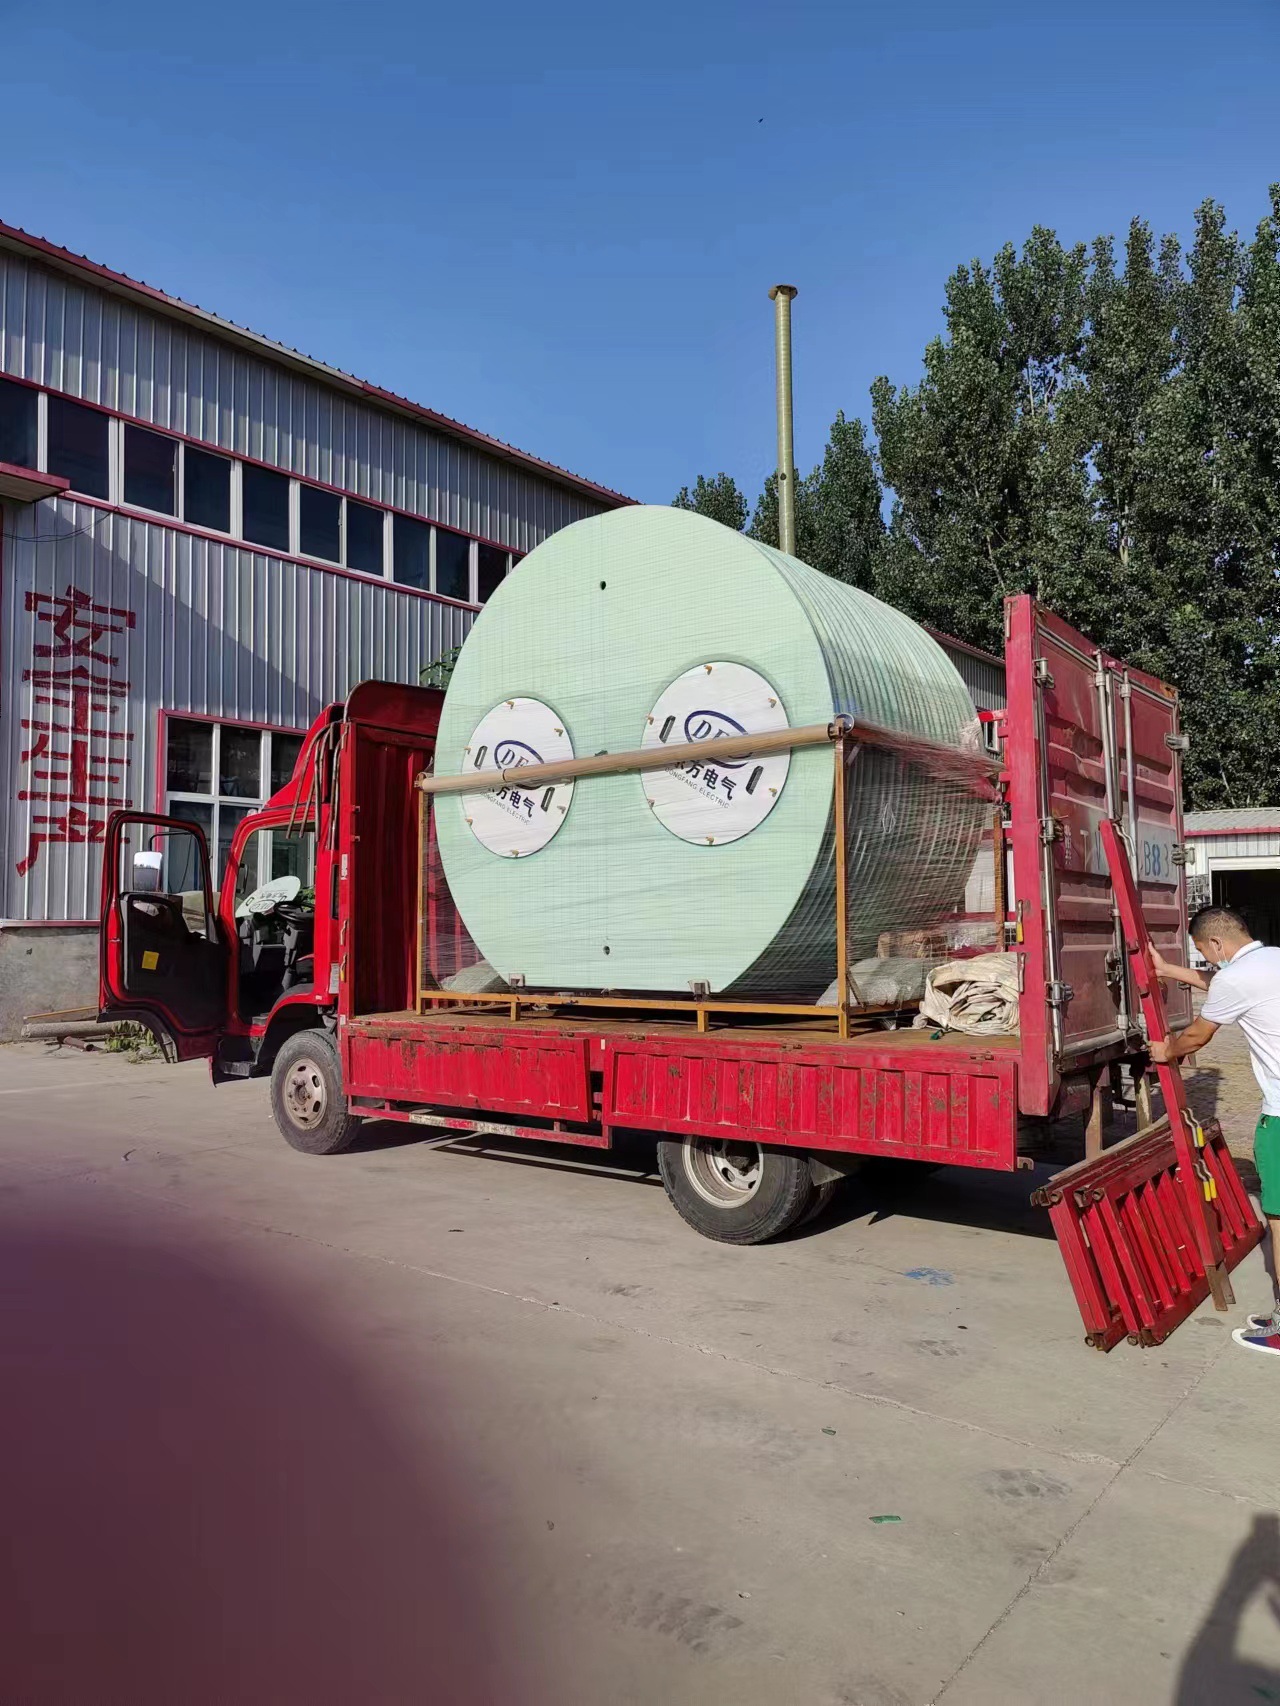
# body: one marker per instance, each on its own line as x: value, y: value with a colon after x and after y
x: 738, y: 1193
x: 308, y: 1100
x: 822, y: 1195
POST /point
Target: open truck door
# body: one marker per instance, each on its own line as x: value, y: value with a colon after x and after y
x: 161, y: 958
x: 1149, y: 1226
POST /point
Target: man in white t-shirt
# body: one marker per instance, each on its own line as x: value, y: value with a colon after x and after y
x: 1244, y: 991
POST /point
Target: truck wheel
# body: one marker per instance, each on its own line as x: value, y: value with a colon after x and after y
x: 307, y: 1097
x: 739, y: 1193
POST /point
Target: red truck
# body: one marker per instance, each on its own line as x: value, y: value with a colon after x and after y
x: 303, y: 966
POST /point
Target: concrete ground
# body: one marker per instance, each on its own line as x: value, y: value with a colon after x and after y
x: 874, y: 1464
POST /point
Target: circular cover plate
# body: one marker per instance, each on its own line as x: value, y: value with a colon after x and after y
x: 270, y: 894
x: 515, y: 821
x: 703, y: 802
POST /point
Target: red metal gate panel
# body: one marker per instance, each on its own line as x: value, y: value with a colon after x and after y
x: 1124, y: 1222
x: 503, y: 1070
x: 958, y: 1107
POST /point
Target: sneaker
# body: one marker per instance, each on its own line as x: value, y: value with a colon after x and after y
x: 1266, y: 1340
x: 1270, y: 1321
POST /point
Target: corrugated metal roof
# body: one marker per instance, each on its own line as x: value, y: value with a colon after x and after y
x: 1257, y: 820
x: 13, y: 237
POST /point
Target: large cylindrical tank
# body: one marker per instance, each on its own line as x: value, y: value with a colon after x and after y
x: 651, y: 625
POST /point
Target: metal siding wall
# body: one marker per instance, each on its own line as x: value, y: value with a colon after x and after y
x: 1245, y: 845
x: 90, y: 344
x: 221, y: 630
x: 983, y: 678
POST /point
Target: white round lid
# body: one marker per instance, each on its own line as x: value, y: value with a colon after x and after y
x: 270, y: 894
x: 513, y: 821
x: 701, y: 801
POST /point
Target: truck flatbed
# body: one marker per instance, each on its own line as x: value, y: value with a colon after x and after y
x: 911, y: 1093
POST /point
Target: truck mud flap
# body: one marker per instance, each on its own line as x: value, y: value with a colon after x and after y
x: 1126, y: 1222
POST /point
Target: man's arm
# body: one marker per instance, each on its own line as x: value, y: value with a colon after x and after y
x: 1178, y: 974
x: 1181, y: 1043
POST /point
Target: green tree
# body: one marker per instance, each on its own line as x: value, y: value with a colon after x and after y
x: 717, y: 498
x: 1106, y: 437
x: 1111, y: 442
x: 839, y: 528
x: 985, y: 457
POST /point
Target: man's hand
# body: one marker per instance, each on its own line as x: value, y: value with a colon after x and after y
x: 1179, y: 1044
x: 1170, y: 972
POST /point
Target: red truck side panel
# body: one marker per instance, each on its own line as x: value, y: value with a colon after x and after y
x: 520, y: 1071
x: 958, y: 1106
x: 954, y: 1100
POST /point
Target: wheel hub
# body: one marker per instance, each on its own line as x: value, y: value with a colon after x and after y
x: 305, y: 1096
x: 724, y: 1173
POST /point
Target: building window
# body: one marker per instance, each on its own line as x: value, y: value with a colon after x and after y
x: 206, y: 490
x: 150, y: 470
x: 364, y: 537
x: 411, y: 552
x: 79, y: 447
x: 284, y: 755
x: 248, y: 765
x: 265, y: 497
x: 319, y: 524
x: 491, y: 570
x: 18, y: 430
x: 453, y: 565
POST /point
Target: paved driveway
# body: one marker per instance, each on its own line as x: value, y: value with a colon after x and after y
x: 547, y: 1429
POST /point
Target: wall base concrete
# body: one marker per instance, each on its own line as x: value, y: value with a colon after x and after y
x: 47, y: 968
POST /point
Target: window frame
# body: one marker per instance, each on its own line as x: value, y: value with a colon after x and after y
x: 301, y: 486
x: 179, y: 470
x: 114, y: 436
x: 117, y: 425
x: 488, y: 545
x: 288, y: 549
x: 222, y: 456
x: 216, y: 800
x: 38, y: 397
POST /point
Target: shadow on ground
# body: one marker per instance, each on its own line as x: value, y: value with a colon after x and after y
x: 1213, y: 1672
x: 880, y: 1190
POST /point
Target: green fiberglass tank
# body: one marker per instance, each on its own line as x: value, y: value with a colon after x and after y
x: 651, y: 625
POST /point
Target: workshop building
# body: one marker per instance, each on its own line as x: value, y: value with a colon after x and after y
x: 1233, y: 859
x: 204, y: 538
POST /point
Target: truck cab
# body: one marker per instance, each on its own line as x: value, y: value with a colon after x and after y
x: 227, y: 965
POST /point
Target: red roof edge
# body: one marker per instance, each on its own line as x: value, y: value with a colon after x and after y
x: 121, y: 284
x: 1240, y: 829
x: 963, y: 645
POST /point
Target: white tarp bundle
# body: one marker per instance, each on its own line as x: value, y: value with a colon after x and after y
x: 977, y: 996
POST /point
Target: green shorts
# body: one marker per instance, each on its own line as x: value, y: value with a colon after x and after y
x: 1266, y: 1158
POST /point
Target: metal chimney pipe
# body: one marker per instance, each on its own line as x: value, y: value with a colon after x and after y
x: 782, y: 294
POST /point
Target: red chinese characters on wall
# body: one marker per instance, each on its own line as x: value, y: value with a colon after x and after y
x: 76, y: 762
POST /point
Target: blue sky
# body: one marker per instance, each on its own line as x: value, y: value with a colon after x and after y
x: 560, y: 222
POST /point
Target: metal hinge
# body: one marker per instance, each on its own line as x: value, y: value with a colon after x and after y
x: 1058, y: 993
x: 1042, y: 675
x: 1178, y: 853
x: 1050, y: 830
x: 1178, y: 743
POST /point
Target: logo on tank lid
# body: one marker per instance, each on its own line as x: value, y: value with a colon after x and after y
x: 509, y: 753
x: 714, y: 725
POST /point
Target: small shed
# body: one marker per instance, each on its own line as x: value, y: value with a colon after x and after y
x: 1233, y: 859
